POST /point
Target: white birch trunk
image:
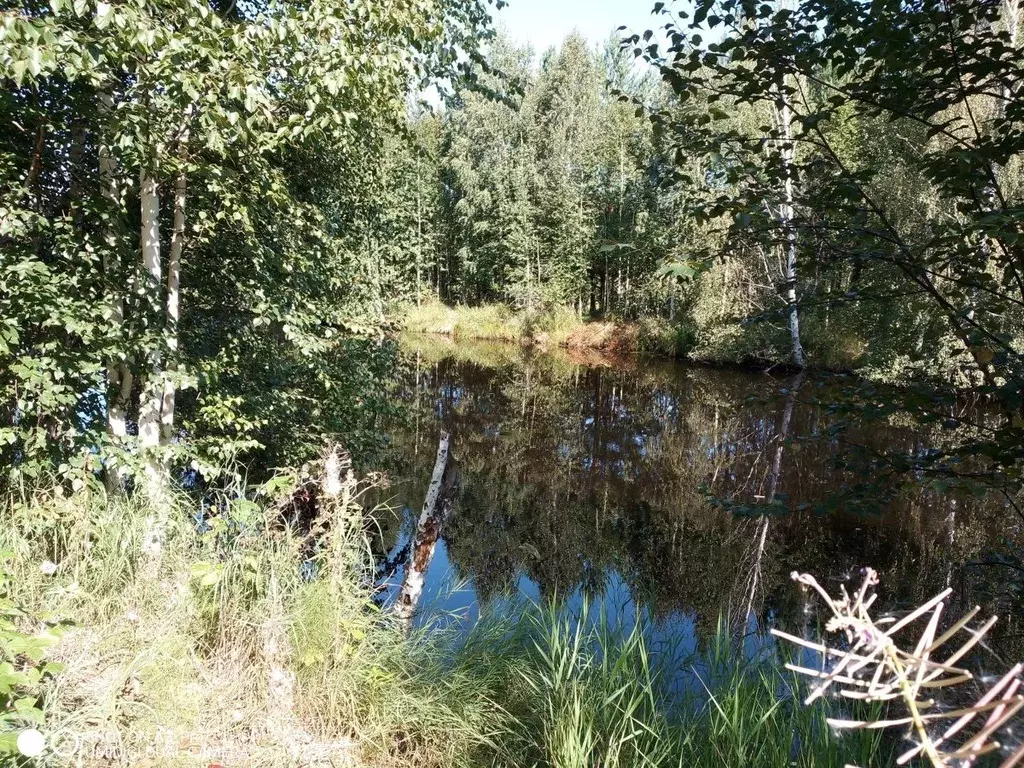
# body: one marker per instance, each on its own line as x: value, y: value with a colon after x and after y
x: 119, y: 376
x: 1011, y: 20
x: 761, y: 537
x: 152, y: 398
x: 173, y: 305
x: 152, y: 394
x: 786, y: 216
x: 425, y: 540
x: 419, y: 236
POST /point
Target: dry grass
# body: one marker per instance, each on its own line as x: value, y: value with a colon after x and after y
x: 159, y: 671
x: 614, y: 338
x: 229, y: 655
x: 546, y: 329
x: 887, y: 659
x: 492, y: 321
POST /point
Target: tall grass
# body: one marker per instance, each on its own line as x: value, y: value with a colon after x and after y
x: 256, y: 645
x: 581, y: 691
x: 492, y: 321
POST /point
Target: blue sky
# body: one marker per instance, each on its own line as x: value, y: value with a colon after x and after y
x: 544, y: 23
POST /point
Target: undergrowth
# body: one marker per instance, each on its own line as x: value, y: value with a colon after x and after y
x: 251, y: 643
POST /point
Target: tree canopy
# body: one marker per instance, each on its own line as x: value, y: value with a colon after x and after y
x: 209, y: 210
x: 188, y: 209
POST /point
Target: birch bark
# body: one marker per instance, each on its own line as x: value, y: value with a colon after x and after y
x: 152, y: 396
x: 428, y: 530
x: 119, y: 376
x: 786, y: 216
x: 173, y: 305
x: 155, y: 475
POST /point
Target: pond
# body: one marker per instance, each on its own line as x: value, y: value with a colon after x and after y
x: 685, y: 492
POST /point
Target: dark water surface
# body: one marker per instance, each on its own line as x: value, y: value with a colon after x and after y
x: 584, y: 477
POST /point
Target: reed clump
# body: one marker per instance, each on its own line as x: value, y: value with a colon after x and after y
x: 583, y: 690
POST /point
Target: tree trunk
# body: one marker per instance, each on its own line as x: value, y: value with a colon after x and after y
x: 173, y: 305
x: 419, y: 236
x: 152, y: 397
x: 786, y: 217
x: 151, y: 401
x: 990, y: 192
x: 428, y: 530
x: 761, y: 536
x: 119, y: 375
x: 76, y: 172
x: 155, y: 473
x: 1011, y: 20
x: 36, y: 166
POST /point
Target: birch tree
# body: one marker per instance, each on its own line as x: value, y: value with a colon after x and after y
x: 941, y: 233
x: 188, y: 93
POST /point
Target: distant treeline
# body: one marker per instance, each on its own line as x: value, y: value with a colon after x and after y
x: 751, y: 192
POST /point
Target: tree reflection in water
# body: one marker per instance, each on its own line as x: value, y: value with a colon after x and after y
x: 593, y: 477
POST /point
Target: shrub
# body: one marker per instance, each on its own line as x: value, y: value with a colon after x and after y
x: 835, y: 347
x: 24, y: 644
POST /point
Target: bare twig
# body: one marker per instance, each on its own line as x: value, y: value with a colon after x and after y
x: 877, y: 665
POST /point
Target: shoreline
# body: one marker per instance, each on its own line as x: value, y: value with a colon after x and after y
x: 648, y: 338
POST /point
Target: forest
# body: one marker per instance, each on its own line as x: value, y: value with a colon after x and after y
x: 681, y: 194
x: 681, y: 312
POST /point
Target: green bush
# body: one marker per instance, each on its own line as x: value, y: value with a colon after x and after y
x: 665, y: 338
x: 24, y: 643
x: 835, y: 346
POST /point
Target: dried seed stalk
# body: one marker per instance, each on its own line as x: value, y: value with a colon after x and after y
x: 880, y: 665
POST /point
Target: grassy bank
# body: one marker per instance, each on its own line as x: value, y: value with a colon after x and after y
x: 724, y: 343
x: 224, y: 648
x: 557, y: 327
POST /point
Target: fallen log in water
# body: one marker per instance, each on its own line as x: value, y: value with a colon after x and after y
x: 437, y: 508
